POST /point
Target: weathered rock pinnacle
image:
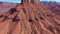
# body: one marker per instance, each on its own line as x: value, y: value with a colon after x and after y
x: 29, y: 1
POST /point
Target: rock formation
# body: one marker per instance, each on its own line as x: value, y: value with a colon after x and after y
x: 54, y: 7
x: 29, y: 18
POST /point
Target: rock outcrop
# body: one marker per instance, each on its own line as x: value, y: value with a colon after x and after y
x: 29, y: 18
x: 54, y: 7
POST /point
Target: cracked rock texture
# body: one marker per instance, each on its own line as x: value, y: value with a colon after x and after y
x: 29, y: 18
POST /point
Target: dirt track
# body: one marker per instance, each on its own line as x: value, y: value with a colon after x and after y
x: 29, y: 18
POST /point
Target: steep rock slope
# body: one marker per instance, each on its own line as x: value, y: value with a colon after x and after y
x: 29, y: 18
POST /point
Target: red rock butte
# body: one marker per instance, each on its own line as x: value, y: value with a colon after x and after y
x: 29, y: 17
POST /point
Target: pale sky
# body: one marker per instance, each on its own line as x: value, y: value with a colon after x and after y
x: 13, y: 1
x: 51, y: 0
x: 19, y: 1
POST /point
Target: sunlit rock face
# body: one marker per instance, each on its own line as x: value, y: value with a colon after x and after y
x: 29, y: 18
x: 30, y: 1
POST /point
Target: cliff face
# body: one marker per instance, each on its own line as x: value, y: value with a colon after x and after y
x: 30, y: 1
x: 29, y: 18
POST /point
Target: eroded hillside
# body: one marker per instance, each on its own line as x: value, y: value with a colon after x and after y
x: 29, y: 18
x: 53, y: 6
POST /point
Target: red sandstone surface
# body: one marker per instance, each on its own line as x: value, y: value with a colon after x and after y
x: 6, y: 6
x: 29, y: 18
